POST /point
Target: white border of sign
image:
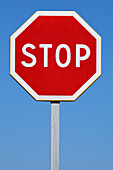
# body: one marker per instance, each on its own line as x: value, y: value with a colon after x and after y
x: 26, y: 86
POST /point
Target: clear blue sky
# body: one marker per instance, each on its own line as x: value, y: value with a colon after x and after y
x: 86, y: 125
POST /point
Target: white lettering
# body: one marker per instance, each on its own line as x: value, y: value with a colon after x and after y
x: 78, y: 58
x: 58, y: 57
x: 28, y: 55
x: 45, y: 46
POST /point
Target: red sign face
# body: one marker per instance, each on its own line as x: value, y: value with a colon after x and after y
x: 55, y: 56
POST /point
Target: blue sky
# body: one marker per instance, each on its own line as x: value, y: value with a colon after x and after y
x: 86, y: 125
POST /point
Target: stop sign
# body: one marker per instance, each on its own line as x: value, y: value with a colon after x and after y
x: 55, y: 56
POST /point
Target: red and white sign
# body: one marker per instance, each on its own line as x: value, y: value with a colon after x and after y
x: 55, y: 56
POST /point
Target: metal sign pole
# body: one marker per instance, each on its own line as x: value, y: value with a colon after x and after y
x: 55, y: 135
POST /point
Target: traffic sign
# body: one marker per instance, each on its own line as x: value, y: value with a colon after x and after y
x: 55, y: 56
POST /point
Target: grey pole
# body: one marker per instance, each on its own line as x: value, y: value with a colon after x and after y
x: 55, y: 135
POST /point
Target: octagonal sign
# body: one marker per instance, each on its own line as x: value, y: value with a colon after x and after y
x: 55, y: 56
